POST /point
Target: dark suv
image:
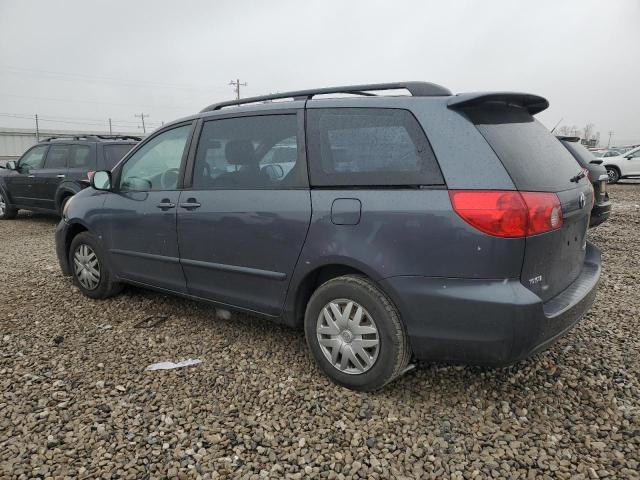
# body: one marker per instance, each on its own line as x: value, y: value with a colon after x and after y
x: 55, y: 169
x: 597, y: 175
x: 425, y: 227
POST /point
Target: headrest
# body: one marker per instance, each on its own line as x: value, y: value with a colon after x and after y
x: 240, y: 152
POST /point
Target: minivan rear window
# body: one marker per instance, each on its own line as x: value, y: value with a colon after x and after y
x: 368, y: 147
x: 533, y: 157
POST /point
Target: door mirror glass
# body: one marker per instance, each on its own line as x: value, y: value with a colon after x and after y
x: 101, y: 180
x: 11, y: 165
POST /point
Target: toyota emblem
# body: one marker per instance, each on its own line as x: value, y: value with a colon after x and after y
x: 581, y: 201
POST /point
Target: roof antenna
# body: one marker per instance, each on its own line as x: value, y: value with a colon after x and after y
x: 557, y: 125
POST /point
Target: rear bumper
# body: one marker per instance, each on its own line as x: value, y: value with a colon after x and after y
x: 62, y: 231
x: 600, y: 213
x: 488, y: 322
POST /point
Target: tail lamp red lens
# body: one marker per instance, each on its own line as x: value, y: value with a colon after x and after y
x: 508, y: 214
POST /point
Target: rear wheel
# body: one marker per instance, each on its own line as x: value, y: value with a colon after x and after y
x: 355, y: 334
x: 614, y: 174
x: 7, y: 212
x: 91, y: 272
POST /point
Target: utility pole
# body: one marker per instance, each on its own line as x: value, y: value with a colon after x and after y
x: 609, y: 142
x: 37, y: 129
x: 141, y: 117
x: 110, y: 129
x: 236, y: 87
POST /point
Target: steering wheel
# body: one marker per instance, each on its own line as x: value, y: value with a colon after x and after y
x: 169, y: 178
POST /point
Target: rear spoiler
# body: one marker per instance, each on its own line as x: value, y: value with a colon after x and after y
x: 532, y: 103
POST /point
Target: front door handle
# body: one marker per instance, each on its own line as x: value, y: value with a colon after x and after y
x: 166, y: 204
x: 61, y: 176
x: 31, y: 176
x: 190, y: 204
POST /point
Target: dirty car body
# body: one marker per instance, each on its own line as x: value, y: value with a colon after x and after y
x: 477, y: 241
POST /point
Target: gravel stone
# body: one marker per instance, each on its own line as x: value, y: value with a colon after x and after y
x: 75, y: 401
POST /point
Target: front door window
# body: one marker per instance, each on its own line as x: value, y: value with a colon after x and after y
x: 156, y: 165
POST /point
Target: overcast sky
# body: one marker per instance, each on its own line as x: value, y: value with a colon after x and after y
x: 81, y: 62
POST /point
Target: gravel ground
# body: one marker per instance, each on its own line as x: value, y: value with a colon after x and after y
x: 76, y: 400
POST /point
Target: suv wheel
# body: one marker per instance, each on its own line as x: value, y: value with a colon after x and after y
x: 7, y: 212
x: 63, y: 203
x: 91, y: 273
x: 355, y: 334
x: 614, y: 175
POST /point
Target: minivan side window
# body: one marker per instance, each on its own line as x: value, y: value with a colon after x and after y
x: 369, y: 147
x: 33, y: 159
x: 254, y: 152
x: 156, y: 165
x: 57, y: 156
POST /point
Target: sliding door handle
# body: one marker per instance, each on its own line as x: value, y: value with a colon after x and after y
x: 166, y: 205
x: 190, y: 204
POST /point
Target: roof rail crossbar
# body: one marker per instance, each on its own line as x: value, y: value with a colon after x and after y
x: 416, y: 89
x: 91, y: 137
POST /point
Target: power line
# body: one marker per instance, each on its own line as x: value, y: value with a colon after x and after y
x: 66, y: 100
x: 237, y: 86
x: 104, y: 79
x: 93, y: 122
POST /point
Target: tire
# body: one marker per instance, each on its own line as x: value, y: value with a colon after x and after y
x: 7, y: 212
x: 91, y: 255
x: 63, y: 202
x: 614, y: 175
x: 330, y: 342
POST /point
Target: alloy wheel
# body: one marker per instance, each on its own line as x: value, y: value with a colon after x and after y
x: 87, y: 267
x: 348, y: 336
x: 3, y: 205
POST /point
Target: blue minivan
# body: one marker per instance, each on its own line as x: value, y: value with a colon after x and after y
x: 392, y: 228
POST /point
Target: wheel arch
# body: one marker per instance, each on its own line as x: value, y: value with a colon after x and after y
x: 74, y: 229
x: 64, y: 191
x: 308, y: 284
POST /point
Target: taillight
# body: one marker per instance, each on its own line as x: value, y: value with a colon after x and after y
x: 507, y: 213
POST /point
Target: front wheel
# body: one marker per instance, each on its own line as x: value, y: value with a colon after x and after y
x: 355, y: 334
x: 7, y: 212
x: 613, y: 174
x: 91, y: 272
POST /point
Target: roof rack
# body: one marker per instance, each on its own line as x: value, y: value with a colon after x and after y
x: 416, y: 89
x: 92, y: 137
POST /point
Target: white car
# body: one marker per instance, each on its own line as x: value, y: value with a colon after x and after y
x: 623, y: 166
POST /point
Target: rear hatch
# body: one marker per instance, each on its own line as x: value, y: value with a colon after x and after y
x: 538, y: 162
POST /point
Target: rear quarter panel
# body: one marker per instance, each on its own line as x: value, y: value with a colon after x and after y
x: 405, y: 232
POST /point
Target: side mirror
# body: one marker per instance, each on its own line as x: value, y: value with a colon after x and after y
x: 101, y: 180
x: 11, y: 165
